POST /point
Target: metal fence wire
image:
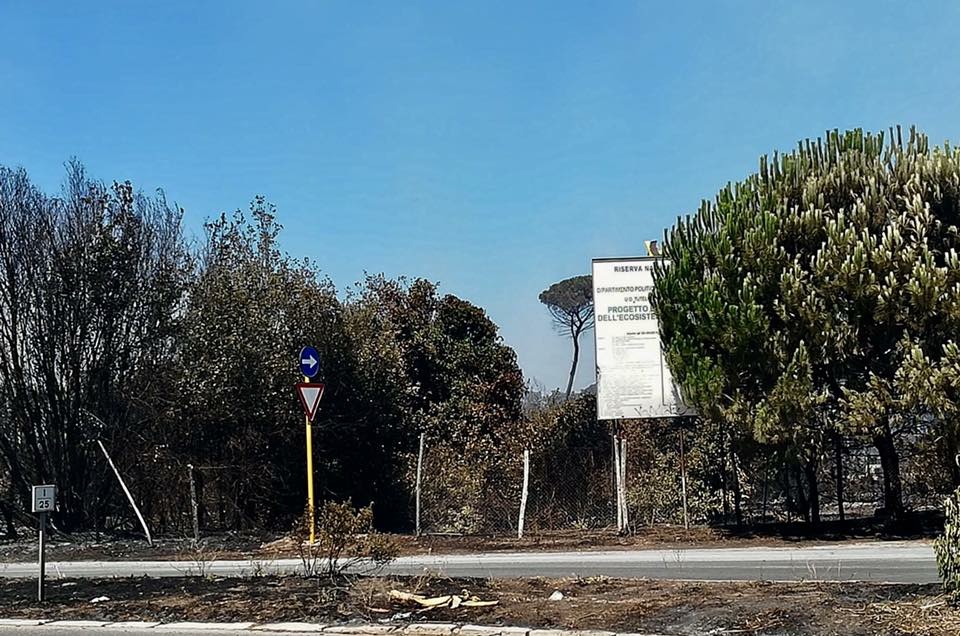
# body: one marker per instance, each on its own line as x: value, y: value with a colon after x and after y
x: 574, y: 488
x: 461, y: 494
x: 570, y: 490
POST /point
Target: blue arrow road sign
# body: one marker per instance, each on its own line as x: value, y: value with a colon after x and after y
x: 309, y: 362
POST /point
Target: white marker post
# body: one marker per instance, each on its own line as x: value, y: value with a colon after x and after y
x: 44, y: 502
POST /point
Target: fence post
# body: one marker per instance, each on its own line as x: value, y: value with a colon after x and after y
x: 523, y: 495
x: 193, y: 507
x: 419, y: 478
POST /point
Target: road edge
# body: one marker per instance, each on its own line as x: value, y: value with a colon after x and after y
x: 359, y: 629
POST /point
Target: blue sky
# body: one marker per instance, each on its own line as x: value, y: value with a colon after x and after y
x: 492, y: 146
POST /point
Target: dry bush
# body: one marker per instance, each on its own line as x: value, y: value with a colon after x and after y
x: 345, y: 541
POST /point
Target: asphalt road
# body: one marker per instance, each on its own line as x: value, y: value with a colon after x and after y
x: 50, y: 630
x: 892, y: 562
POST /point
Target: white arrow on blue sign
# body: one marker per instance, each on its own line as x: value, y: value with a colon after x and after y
x: 309, y: 362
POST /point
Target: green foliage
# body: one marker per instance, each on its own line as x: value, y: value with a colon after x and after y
x: 568, y: 299
x: 811, y: 298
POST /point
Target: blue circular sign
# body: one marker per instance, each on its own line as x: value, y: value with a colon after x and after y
x: 309, y: 362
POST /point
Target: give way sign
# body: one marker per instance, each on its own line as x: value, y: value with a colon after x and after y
x: 310, y: 394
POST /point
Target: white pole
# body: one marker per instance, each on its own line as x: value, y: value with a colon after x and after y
x: 523, y: 495
x: 193, y: 507
x: 143, y: 523
x: 419, y: 477
x: 43, y: 555
x: 623, y: 484
x: 617, y: 482
x: 683, y: 482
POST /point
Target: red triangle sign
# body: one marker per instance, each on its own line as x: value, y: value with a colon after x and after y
x: 310, y: 394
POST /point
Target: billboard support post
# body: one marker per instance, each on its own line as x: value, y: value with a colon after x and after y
x: 683, y: 481
x: 616, y: 481
x: 623, y: 486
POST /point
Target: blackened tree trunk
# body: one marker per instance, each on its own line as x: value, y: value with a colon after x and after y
x: 7, y: 511
x: 813, y: 489
x: 803, y: 503
x: 892, y: 484
x: 201, y: 500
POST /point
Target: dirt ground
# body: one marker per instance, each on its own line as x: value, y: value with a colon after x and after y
x: 676, y: 608
x: 271, y: 546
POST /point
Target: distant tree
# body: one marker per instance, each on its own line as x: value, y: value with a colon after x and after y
x: 570, y: 303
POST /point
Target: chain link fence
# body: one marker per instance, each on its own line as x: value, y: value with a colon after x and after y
x: 577, y: 489
x: 461, y: 493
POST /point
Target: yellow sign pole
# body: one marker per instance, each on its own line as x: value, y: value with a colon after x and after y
x: 310, y: 509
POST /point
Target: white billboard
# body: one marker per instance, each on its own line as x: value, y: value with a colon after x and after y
x: 633, y: 380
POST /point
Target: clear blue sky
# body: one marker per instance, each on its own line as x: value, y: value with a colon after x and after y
x: 492, y: 146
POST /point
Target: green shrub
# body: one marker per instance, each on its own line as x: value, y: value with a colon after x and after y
x: 947, y: 546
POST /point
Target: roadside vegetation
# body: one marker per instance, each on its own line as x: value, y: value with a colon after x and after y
x: 808, y: 314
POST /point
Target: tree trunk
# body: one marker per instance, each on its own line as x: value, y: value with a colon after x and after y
x: 6, y: 510
x: 766, y: 485
x: 573, y: 365
x: 802, y: 502
x: 892, y: 485
x: 201, y: 507
x: 813, y: 490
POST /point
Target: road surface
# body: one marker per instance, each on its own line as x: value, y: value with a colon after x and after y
x: 116, y: 628
x: 892, y: 562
